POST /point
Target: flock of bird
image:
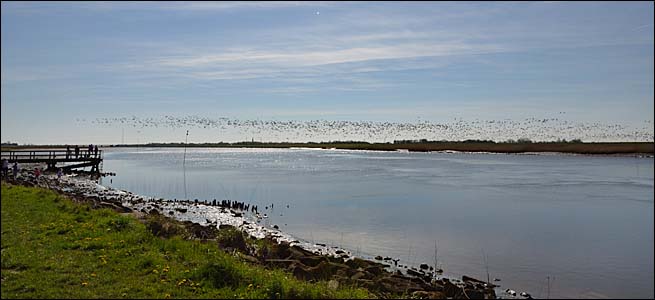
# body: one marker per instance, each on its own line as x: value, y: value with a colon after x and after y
x: 535, y: 129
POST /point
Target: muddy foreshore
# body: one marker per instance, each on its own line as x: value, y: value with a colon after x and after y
x: 307, y: 261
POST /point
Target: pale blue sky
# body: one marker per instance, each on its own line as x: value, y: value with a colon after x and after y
x: 65, y: 64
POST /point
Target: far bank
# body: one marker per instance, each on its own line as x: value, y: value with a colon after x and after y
x: 620, y: 148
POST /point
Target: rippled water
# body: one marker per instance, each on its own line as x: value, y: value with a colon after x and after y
x: 584, y: 221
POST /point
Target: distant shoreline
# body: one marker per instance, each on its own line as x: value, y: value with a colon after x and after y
x: 630, y: 148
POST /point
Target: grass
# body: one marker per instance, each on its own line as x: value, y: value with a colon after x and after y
x: 55, y: 248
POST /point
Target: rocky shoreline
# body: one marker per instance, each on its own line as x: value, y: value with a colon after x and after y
x: 307, y: 261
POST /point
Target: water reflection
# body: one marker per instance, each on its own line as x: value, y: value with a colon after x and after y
x: 584, y: 222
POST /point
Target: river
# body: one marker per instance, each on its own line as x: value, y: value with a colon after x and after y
x: 557, y: 225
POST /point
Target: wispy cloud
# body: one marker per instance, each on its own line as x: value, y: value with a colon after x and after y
x: 310, y: 58
x: 232, y: 5
x: 346, y: 54
x: 199, y: 6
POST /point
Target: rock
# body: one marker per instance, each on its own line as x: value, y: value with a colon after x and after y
x: 298, y: 251
x: 420, y: 295
x: 490, y: 293
x: 428, y: 295
x: 182, y: 210
x: 378, y: 257
x: 424, y: 266
x: 398, y: 285
x: 116, y: 207
x: 301, y: 273
x: 358, y: 275
x: 250, y: 259
x: 450, y: 289
x: 162, y: 227
x: 471, y: 279
x: 375, y: 270
x: 199, y: 231
x: 413, y: 273
x: 281, y: 250
x: 234, y: 241
x: 312, y: 261
x: 474, y: 294
x: 323, y: 271
x: 336, y: 260
x: 333, y: 284
x: 282, y: 263
x: 358, y: 263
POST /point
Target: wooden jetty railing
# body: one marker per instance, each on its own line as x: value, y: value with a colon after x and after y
x: 84, y: 158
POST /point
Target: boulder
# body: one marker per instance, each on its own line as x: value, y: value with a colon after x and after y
x: 301, y: 273
x: 312, y: 261
x: 325, y: 270
x: 450, y: 289
x: 471, y: 279
x: 375, y: 270
x: 358, y: 275
x: 357, y: 263
x: 428, y: 295
x: 397, y: 285
x: 474, y: 294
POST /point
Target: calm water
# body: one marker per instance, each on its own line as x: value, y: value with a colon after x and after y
x: 587, y: 222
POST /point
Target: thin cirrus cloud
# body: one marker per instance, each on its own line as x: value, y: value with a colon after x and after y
x: 317, y: 58
x: 312, y: 64
x: 335, y: 47
x: 30, y: 7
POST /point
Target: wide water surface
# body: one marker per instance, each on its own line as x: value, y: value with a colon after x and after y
x: 585, y: 222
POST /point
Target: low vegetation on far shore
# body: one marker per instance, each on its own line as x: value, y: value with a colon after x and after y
x: 511, y: 146
x: 55, y: 248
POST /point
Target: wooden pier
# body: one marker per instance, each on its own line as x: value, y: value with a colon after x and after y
x: 67, y: 159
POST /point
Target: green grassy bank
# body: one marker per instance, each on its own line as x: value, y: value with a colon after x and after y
x: 55, y: 248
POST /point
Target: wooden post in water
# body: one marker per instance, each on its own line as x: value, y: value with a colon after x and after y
x: 186, y: 140
x: 548, y: 289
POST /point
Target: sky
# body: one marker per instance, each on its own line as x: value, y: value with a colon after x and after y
x: 68, y: 65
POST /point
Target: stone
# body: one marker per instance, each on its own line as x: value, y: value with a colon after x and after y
x: 471, y: 279
x: 428, y: 295
x: 358, y: 275
x: 333, y: 284
x: 474, y: 294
